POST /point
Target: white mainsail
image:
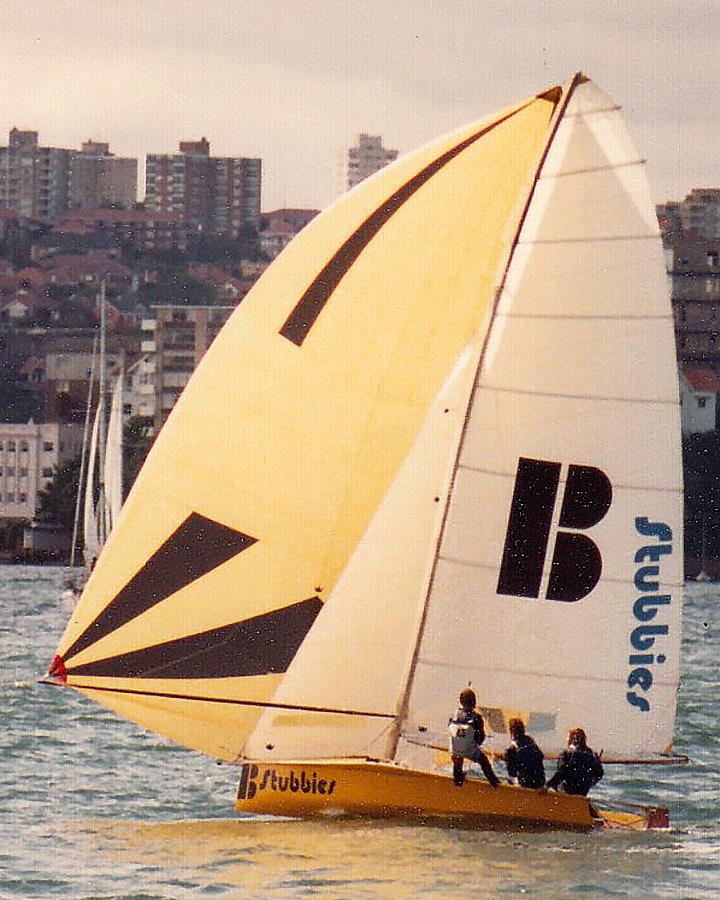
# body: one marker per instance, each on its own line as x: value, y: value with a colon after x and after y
x: 93, y: 516
x: 113, y: 467
x: 580, y: 371
x: 555, y: 586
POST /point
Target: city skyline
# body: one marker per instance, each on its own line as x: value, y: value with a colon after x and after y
x: 295, y: 83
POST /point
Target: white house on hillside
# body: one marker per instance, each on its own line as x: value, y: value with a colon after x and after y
x: 698, y: 397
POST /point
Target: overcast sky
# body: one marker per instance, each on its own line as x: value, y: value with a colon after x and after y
x: 293, y: 81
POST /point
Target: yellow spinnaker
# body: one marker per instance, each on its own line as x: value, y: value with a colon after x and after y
x: 286, y: 439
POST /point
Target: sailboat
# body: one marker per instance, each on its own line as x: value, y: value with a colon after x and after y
x: 438, y: 444
x: 101, y: 468
x: 102, y: 511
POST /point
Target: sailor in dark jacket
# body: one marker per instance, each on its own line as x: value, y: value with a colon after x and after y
x: 579, y: 767
x: 467, y: 732
x: 523, y: 758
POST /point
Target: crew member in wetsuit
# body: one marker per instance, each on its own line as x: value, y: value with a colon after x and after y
x: 523, y: 758
x: 467, y: 732
x: 579, y: 767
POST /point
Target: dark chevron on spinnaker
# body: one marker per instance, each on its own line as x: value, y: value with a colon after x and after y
x: 197, y: 547
x: 262, y: 645
x: 310, y: 305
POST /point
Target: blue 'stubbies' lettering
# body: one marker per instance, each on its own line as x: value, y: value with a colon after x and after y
x: 645, y: 609
x: 652, y: 553
x: 643, y: 637
x: 642, y: 576
x: 634, y: 700
x: 647, y: 528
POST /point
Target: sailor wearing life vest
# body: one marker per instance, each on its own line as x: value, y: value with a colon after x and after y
x: 579, y: 767
x: 467, y: 732
x: 523, y: 758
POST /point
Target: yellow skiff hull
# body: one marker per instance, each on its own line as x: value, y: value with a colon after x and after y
x: 380, y: 789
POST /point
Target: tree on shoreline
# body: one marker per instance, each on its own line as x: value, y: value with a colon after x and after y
x: 59, y: 497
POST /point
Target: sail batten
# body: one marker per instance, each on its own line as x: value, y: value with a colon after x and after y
x: 627, y: 583
x: 619, y: 238
x: 570, y: 173
x: 598, y: 398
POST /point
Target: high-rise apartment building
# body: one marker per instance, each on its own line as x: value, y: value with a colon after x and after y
x: 98, y: 178
x: 364, y: 159
x: 33, y: 179
x: 218, y: 195
x: 699, y: 212
x: 694, y: 270
x: 29, y: 454
x: 175, y: 341
x: 42, y: 182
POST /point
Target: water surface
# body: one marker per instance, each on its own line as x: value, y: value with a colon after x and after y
x: 94, y: 807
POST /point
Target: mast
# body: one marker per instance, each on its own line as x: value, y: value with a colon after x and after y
x: 566, y: 95
x: 83, y: 455
x: 102, y: 430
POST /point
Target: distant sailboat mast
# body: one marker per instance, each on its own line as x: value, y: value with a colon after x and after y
x: 102, y: 436
x: 112, y: 466
x: 98, y: 519
x: 83, y: 454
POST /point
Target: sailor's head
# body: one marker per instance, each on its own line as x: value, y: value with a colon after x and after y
x: 468, y: 700
x: 576, y: 738
x: 516, y: 728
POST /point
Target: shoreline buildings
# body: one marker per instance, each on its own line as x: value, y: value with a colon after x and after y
x: 218, y: 195
x: 175, y: 339
x: 199, y: 193
x: 33, y: 179
x: 98, y: 178
x: 29, y: 455
x: 44, y: 182
x: 364, y: 159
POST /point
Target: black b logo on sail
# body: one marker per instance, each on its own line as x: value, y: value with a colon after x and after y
x: 576, y: 564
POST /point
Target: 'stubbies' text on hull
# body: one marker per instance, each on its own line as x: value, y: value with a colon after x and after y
x: 309, y: 788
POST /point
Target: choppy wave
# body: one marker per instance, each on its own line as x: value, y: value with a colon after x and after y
x: 93, y: 807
